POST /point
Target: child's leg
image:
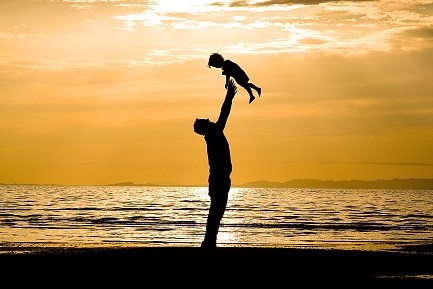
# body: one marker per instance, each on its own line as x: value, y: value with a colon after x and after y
x: 258, y: 89
x: 248, y: 89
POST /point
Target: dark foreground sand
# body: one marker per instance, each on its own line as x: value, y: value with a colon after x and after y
x: 186, y: 267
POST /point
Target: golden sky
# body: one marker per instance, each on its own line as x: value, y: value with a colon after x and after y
x: 98, y: 92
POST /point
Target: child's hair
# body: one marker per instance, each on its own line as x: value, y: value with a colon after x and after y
x: 215, y: 59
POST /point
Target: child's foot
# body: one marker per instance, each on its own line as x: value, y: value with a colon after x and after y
x: 252, y: 98
x: 259, y: 91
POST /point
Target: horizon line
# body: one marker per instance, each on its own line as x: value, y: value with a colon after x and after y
x: 128, y: 183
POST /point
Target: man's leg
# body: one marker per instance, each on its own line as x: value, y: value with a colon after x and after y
x: 216, y: 212
x: 218, y: 192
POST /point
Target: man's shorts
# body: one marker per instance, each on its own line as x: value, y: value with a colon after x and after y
x: 219, y: 186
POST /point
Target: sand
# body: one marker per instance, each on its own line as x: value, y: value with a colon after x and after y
x: 186, y: 267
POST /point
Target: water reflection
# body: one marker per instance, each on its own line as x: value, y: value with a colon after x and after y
x: 161, y: 216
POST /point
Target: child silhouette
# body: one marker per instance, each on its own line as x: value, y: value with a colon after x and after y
x: 231, y: 69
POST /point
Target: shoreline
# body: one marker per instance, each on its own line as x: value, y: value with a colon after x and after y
x: 330, y: 268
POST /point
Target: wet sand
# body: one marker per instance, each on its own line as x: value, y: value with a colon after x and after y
x: 154, y: 267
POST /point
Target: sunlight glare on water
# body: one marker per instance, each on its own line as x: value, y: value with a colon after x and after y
x: 176, y: 216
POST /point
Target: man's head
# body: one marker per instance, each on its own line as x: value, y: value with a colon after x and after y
x: 201, y: 125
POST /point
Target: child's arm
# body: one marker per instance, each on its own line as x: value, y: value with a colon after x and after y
x: 227, y: 74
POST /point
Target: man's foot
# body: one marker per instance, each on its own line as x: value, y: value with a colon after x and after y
x: 208, y: 245
x: 259, y: 91
x: 252, y: 98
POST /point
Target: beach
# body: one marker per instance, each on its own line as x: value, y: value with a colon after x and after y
x: 195, y: 267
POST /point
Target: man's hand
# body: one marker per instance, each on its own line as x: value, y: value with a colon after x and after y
x: 231, y: 89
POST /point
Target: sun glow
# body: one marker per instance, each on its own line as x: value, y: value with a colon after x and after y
x: 107, y: 93
x: 184, y: 6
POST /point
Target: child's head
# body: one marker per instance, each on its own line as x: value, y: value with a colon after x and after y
x: 215, y: 60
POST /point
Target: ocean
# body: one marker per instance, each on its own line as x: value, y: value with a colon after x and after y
x: 364, y: 219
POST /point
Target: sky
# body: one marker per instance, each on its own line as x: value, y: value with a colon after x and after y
x: 100, y: 92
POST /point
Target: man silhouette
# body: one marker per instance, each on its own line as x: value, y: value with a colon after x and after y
x: 220, y: 165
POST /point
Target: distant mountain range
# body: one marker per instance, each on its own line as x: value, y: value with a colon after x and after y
x: 394, y: 184
x: 408, y: 184
x: 125, y: 184
x: 397, y: 184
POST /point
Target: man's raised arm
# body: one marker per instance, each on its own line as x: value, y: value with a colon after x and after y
x: 227, y: 104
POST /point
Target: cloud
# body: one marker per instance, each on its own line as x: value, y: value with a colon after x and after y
x: 188, y: 24
x: 410, y: 164
x: 266, y: 27
x: 149, y: 18
x: 293, y: 2
x: 82, y: 6
x: 424, y: 7
x: 311, y: 41
x: 423, y: 32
